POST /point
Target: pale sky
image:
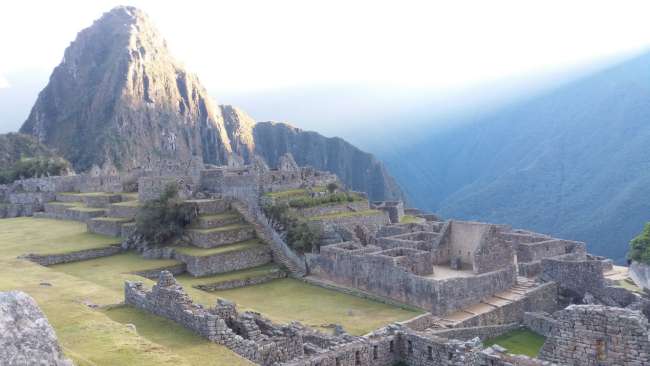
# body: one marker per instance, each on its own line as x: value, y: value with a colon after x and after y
x: 247, y: 46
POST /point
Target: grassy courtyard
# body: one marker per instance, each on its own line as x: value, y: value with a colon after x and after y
x: 520, y: 341
x: 92, y: 335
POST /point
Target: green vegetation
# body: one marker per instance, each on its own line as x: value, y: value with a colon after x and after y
x: 337, y: 215
x: 162, y: 219
x: 640, y: 246
x: 23, y: 156
x: 34, y: 167
x: 88, y: 336
x: 520, y: 341
x: 45, y: 236
x: 201, y: 252
x: 293, y: 192
x: 629, y: 285
x: 409, y: 219
x: 191, y: 347
x: 332, y: 198
x: 289, y: 299
x: 300, y: 235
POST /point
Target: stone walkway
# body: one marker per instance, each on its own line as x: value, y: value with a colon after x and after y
x: 617, y: 273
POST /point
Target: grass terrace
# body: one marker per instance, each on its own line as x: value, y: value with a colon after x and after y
x: 292, y: 193
x: 202, y: 252
x: 46, y: 236
x: 222, y: 228
x: 188, y: 280
x: 337, y: 215
x: 520, y: 341
x: 88, y: 336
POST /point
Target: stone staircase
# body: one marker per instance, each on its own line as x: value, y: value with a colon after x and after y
x: 220, y: 241
x: 498, y: 300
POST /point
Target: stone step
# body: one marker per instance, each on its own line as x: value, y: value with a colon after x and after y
x: 238, y: 256
x: 68, y: 197
x: 71, y: 211
x: 217, y: 220
x: 211, y: 238
x: 209, y: 206
x: 101, y: 200
x: 127, y: 210
x: 111, y: 226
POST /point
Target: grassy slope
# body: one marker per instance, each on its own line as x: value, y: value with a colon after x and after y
x: 521, y: 342
x: 88, y: 336
x: 202, y: 252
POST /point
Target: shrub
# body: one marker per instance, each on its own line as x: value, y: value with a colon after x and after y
x: 332, y: 187
x: 640, y: 246
x: 300, y: 236
x: 160, y: 220
x: 34, y: 167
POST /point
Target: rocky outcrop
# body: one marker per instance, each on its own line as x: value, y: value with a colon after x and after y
x: 119, y: 99
x: 357, y: 169
x: 26, y: 337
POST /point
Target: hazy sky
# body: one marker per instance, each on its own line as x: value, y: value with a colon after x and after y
x: 247, y: 46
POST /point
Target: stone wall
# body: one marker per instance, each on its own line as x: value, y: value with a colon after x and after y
x: 81, y: 255
x: 150, y: 188
x: 439, y: 296
x: 540, y: 322
x: 493, y: 252
x: 579, y: 277
x: 481, y: 332
x: 588, y: 335
x: 536, y: 251
x: 225, y: 262
x: 243, y: 282
x: 248, y: 334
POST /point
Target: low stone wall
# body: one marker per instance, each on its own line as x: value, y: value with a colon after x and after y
x: 248, y: 334
x: 579, y: 277
x: 225, y: 262
x: 155, y: 273
x: 540, y: 323
x: 535, y: 251
x: 9, y: 210
x: 82, y: 255
x: 484, y: 332
x: 243, y: 282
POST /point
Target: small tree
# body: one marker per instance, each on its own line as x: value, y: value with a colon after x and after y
x: 332, y: 187
x: 640, y: 246
x: 162, y: 219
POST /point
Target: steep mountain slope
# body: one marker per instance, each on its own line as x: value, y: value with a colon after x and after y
x: 119, y: 98
x: 574, y: 162
x: 358, y: 169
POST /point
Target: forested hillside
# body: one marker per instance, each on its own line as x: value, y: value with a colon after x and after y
x: 574, y: 162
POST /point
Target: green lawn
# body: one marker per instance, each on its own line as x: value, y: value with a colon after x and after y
x: 292, y: 193
x: 134, y: 203
x: 521, y: 341
x: 193, y: 348
x: 87, y: 335
x: 99, y: 337
x: 336, y: 215
x: 409, y: 219
x: 46, y: 236
x: 202, y: 252
x: 289, y: 299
